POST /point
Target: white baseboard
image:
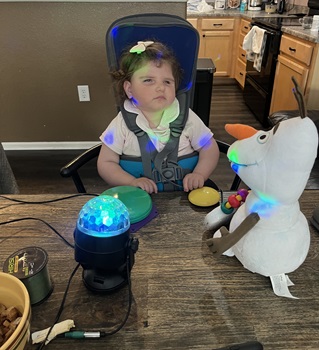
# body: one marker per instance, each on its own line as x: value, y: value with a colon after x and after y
x: 45, y: 146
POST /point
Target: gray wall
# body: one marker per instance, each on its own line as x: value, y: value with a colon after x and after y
x: 46, y: 50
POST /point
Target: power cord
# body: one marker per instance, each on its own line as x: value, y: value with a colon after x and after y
x: 43, y: 221
x: 129, y: 298
x: 80, y: 334
x: 20, y: 201
x: 42, y: 344
x: 49, y: 200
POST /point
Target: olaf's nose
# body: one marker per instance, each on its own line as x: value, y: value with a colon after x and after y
x: 240, y: 131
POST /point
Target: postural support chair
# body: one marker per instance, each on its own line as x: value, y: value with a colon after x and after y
x: 179, y: 35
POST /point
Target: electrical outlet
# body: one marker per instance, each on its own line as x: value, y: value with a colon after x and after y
x: 84, y: 93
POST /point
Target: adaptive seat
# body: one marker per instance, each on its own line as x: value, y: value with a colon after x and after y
x: 165, y: 168
x: 8, y: 184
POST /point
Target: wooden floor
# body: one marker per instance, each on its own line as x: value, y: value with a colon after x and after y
x: 38, y: 171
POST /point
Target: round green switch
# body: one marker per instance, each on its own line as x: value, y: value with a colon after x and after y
x: 137, y: 201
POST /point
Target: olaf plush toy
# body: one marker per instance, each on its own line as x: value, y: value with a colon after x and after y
x: 268, y: 233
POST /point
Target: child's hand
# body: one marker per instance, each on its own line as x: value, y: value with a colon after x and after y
x: 145, y: 184
x: 192, y: 181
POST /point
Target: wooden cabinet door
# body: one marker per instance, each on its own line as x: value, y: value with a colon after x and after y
x: 193, y: 22
x: 240, y: 68
x: 240, y: 72
x: 196, y: 24
x: 282, y: 96
x: 217, y: 45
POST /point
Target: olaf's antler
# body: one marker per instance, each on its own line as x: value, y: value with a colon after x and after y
x: 300, y: 98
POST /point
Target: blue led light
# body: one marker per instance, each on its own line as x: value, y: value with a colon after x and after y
x: 115, y: 31
x: 150, y: 145
x: 204, y: 143
x: 103, y: 216
x: 134, y: 101
x: 235, y: 167
x: 109, y: 138
x: 189, y: 86
x: 159, y: 55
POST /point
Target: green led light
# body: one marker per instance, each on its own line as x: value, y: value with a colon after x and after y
x: 103, y: 216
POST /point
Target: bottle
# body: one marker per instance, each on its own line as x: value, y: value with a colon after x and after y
x: 243, y: 5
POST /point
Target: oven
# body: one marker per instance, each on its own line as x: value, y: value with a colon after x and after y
x: 259, y: 85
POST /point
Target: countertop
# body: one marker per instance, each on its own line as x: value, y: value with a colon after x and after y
x: 297, y: 31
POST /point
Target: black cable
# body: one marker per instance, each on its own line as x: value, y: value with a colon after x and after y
x: 42, y: 344
x: 129, y: 299
x: 61, y: 307
x: 37, y: 219
x: 20, y: 201
x: 121, y: 325
x: 49, y: 200
x: 76, y: 268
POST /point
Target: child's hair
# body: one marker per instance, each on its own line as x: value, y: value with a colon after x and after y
x: 131, y: 62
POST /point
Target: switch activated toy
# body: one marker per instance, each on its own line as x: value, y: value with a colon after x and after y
x: 268, y: 233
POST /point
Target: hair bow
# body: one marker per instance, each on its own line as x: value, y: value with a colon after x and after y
x: 141, y: 46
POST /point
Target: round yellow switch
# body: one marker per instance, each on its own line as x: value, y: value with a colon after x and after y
x: 204, y: 197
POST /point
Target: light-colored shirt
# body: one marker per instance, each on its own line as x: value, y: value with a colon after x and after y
x: 121, y: 140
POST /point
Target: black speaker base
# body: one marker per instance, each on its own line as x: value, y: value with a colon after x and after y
x: 99, y: 281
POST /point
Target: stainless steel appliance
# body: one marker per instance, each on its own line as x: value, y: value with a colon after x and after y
x: 313, y: 7
x: 259, y: 85
x: 254, y: 5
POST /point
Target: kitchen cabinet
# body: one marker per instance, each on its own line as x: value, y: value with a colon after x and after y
x: 240, y: 68
x: 196, y: 23
x: 216, y: 42
x: 297, y: 58
x: 193, y: 22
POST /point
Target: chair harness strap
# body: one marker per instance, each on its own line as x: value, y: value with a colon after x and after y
x: 166, y: 168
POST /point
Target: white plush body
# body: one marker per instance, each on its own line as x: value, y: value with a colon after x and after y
x: 276, y: 165
x: 277, y: 244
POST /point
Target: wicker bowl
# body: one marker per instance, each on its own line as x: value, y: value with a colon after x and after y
x: 14, y: 293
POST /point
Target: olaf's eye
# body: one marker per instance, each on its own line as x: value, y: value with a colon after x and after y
x: 262, y: 138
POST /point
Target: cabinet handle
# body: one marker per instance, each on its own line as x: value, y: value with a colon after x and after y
x: 217, y: 25
x: 243, y: 55
x: 292, y: 49
x: 240, y: 73
x: 246, y: 27
x: 204, y: 35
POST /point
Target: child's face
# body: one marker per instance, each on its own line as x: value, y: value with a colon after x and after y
x: 152, y: 88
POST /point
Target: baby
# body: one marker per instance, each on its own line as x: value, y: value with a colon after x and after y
x: 147, y: 82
